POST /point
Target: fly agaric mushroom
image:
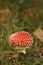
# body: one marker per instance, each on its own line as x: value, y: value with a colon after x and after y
x: 21, y: 40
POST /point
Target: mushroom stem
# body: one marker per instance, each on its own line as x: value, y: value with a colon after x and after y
x: 22, y: 51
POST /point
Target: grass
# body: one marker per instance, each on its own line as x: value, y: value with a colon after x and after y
x: 17, y: 15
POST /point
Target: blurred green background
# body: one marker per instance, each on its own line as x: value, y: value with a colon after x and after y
x: 21, y: 15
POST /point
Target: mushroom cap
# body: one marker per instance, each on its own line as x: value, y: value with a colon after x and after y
x: 21, y: 39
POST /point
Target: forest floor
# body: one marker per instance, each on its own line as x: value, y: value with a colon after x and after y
x: 21, y: 15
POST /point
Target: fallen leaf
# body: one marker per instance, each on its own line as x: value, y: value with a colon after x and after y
x: 39, y: 34
x: 29, y: 11
x: 14, y: 56
x: 4, y: 13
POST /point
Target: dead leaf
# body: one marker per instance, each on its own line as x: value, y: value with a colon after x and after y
x: 29, y: 11
x: 36, y: 2
x: 4, y: 13
x: 39, y: 34
x: 14, y: 56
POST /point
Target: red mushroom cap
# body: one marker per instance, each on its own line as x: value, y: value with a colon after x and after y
x: 21, y: 38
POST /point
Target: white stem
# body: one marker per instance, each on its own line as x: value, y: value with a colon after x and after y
x: 23, y: 51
